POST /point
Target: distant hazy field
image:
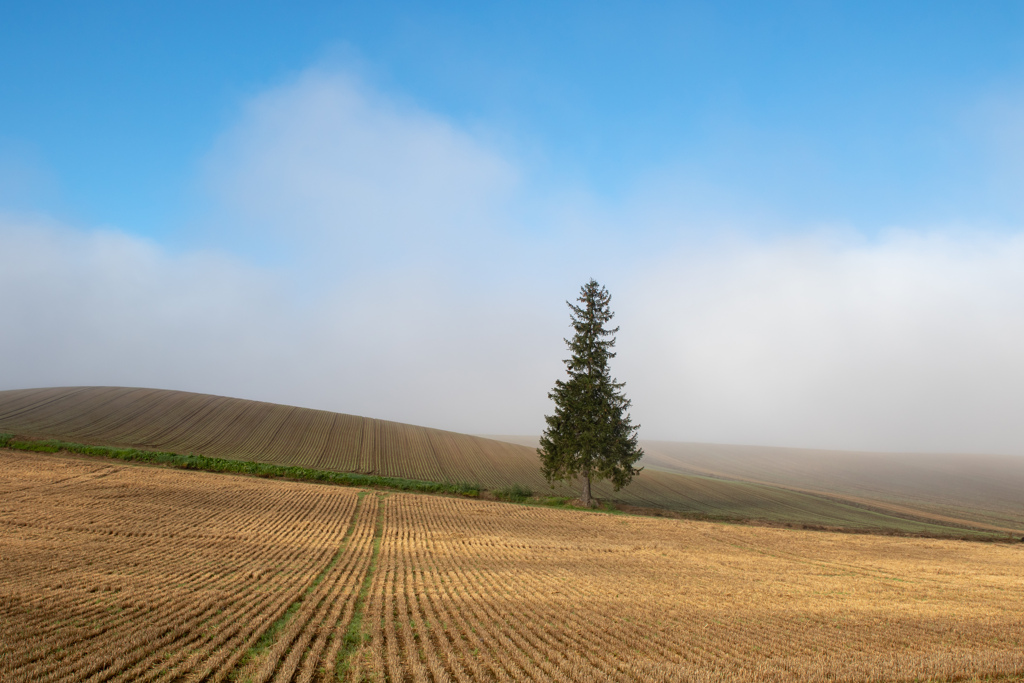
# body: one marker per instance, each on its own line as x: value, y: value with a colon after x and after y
x: 683, y: 480
x: 112, y: 572
x: 985, y: 489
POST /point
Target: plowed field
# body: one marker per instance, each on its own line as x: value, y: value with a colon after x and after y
x: 216, y: 426
x: 122, y: 572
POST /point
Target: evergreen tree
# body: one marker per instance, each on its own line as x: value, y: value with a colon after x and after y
x: 590, y: 435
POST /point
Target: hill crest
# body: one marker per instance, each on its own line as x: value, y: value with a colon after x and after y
x: 242, y: 429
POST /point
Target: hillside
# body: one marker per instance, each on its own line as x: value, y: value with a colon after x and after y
x: 986, y: 489
x: 234, y: 428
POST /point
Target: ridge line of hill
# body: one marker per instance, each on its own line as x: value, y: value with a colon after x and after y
x: 288, y: 436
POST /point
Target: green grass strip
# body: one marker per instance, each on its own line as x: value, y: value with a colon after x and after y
x: 516, y: 493
x: 193, y: 461
x: 354, y: 636
x: 270, y: 635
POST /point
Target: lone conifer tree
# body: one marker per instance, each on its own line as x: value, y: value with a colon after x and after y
x: 590, y: 435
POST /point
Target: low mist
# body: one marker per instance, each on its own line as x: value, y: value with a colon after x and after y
x: 362, y: 255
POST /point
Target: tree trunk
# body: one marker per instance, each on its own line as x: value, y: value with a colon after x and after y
x: 585, y: 497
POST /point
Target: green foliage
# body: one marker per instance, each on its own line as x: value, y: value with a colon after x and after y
x: 590, y: 434
x: 5, y: 439
x: 36, y: 446
x: 515, y: 493
x: 465, y: 488
x: 200, y: 462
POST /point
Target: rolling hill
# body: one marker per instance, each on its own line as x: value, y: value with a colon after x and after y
x: 986, y: 489
x: 240, y: 429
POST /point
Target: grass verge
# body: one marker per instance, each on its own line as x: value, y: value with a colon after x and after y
x: 516, y: 493
x: 193, y: 461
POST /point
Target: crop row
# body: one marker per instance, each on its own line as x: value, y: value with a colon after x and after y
x: 475, y: 591
x: 128, y: 574
x: 117, y: 573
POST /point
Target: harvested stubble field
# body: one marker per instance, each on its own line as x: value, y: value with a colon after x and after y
x: 183, y: 422
x: 122, y: 572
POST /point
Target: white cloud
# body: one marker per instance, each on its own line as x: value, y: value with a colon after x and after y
x: 448, y: 313
x: 327, y: 160
x: 912, y: 342
x: 106, y: 308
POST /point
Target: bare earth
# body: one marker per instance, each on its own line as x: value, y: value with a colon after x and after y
x: 119, y: 572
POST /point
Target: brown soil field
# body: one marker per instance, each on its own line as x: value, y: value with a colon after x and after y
x: 223, y: 427
x: 979, y: 487
x: 987, y: 490
x: 114, y: 571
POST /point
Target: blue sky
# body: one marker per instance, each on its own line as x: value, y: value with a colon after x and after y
x: 786, y: 199
x: 866, y: 113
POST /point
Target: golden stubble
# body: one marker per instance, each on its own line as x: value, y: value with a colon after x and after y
x: 491, y: 591
x: 115, y: 572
